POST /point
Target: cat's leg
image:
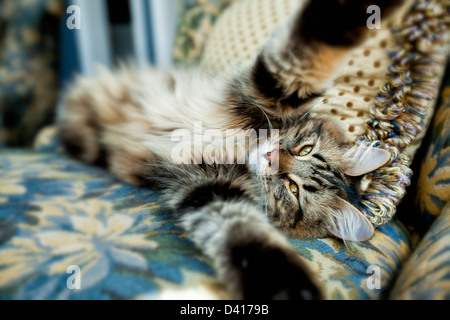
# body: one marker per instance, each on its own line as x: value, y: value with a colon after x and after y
x: 301, y: 58
x: 251, y: 258
x: 220, y: 208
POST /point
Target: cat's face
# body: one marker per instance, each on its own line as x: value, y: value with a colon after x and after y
x: 311, y: 190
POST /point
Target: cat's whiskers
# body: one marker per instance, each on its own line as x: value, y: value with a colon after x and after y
x: 306, y: 114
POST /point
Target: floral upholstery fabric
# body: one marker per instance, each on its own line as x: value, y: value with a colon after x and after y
x: 28, y: 68
x: 433, y: 191
x: 194, y: 28
x: 56, y: 213
x: 426, y: 275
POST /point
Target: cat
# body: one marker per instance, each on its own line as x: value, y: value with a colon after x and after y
x: 237, y: 204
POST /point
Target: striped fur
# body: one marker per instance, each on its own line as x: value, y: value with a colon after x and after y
x: 125, y: 121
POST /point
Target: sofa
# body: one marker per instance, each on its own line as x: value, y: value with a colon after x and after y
x: 71, y: 231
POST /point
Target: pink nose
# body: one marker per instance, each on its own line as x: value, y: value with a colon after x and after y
x: 271, y: 156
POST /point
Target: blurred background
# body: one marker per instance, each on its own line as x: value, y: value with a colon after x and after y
x: 44, y: 43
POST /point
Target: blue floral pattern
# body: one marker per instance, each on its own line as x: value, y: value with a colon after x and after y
x: 56, y: 213
x: 344, y: 271
x: 29, y: 45
x: 426, y: 275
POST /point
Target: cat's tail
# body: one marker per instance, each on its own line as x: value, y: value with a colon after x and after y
x: 100, y: 122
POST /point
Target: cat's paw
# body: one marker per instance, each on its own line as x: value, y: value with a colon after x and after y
x: 340, y: 22
x: 267, y: 272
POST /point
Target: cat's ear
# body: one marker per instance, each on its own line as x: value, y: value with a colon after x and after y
x: 302, y: 56
x: 362, y: 160
x: 348, y: 223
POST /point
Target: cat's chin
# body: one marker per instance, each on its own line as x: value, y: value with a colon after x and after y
x: 302, y: 232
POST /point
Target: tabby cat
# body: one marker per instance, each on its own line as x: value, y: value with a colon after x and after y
x: 303, y: 178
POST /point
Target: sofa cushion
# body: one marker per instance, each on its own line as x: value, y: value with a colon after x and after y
x: 28, y: 68
x: 433, y: 185
x: 56, y: 213
x: 426, y: 275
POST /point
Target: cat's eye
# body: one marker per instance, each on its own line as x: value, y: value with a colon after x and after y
x: 304, y: 151
x: 294, y: 188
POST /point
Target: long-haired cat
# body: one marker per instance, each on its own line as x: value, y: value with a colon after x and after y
x: 181, y: 132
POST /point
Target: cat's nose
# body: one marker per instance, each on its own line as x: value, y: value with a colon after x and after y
x: 271, y: 156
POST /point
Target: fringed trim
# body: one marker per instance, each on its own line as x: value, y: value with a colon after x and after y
x: 402, y: 105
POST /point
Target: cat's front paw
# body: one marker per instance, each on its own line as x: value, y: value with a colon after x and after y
x: 340, y: 22
x: 265, y: 272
